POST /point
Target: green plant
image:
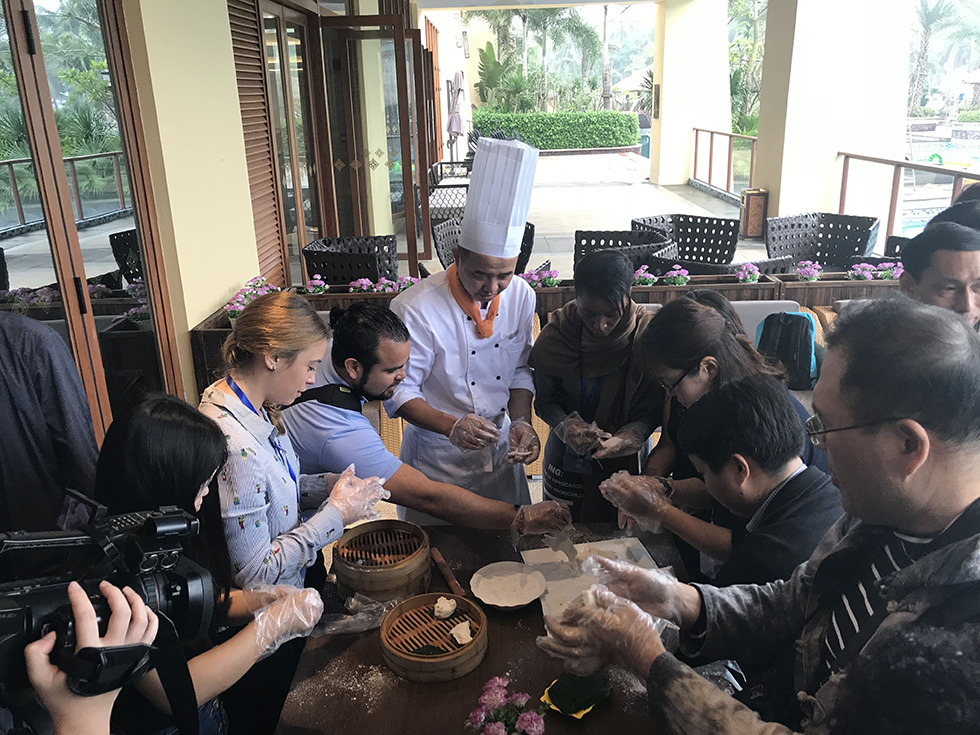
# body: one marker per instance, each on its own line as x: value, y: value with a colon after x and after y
x: 969, y: 116
x: 923, y: 112
x: 557, y: 130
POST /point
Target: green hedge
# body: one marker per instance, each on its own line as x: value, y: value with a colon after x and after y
x: 554, y: 130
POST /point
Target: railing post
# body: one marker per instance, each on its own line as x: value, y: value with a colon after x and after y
x: 957, y: 188
x: 16, y: 194
x: 843, y: 184
x: 752, y: 165
x: 711, y: 157
x: 119, y: 185
x: 893, y: 206
x: 728, y: 182
x: 74, y: 187
x: 696, y: 140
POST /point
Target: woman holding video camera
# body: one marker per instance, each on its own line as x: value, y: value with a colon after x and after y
x: 165, y: 452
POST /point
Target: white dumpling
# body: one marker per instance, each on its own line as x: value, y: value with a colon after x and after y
x: 462, y: 633
x: 444, y: 607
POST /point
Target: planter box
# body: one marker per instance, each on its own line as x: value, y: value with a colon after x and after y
x: 115, y: 306
x: 830, y: 287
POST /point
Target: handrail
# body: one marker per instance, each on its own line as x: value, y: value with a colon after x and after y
x: 898, y: 167
x: 711, y: 157
x: 72, y: 173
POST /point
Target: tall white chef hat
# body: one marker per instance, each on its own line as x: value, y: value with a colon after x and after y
x: 499, y: 197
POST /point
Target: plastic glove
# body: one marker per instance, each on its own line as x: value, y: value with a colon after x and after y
x: 257, y: 597
x: 628, y: 440
x: 524, y: 443
x: 573, y: 643
x: 639, y: 497
x: 473, y: 432
x: 354, y: 498
x: 654, y: 590
x: 605, y: 627
x: 287, y: 618
x: 575, y: 433
x: 546, y: 517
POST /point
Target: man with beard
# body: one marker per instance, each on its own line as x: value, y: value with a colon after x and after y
x: 368, y: 352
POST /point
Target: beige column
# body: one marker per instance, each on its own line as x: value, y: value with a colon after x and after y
x: 834, y: 79
x: 691, y: 67
x: 188, y: 101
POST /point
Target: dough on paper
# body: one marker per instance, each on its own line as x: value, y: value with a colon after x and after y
x: 462, y: 633
x: 444, y: 607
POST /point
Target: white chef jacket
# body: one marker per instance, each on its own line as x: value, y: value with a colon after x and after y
x: 455, y: 371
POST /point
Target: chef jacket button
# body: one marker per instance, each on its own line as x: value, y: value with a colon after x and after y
x: 497, y: 345
x: 472, y: 383
x: 503, y: 409
x: 473, y: 352
x: 498, y: 377
x: 469, y: 318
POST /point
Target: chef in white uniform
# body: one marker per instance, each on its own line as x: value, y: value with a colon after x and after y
x: 468, y: 388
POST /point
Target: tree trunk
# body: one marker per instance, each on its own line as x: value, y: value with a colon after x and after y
x: 544, y: 69
x: 920, y: 71
x: 606, y: 71
x: 524, y: 47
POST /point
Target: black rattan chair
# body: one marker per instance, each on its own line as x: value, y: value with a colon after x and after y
x: 449, y: 170
x: 4, y: 275
x: 893, y: 252
x: 342, y: 260
x: 445, y: 237
x: 826, y: 238
x: 638, y: 245
x: 126, y: 251
x: 698, y: 239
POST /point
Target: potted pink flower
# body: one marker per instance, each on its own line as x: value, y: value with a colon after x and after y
x: 541, y: 279
x: 676, y: 276
x: 747, y: 273
x: 643, y: 277
x: 808, y: 270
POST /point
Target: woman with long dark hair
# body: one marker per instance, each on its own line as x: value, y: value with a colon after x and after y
x: 591, y: 390
x: 167, y: 453
x: 691, y: 348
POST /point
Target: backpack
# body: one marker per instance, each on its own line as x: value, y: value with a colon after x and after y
x: 790, y: 338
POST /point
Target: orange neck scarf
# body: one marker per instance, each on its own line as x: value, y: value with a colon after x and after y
x: 484, y: 327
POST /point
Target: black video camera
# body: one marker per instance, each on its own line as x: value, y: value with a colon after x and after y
x: 143, y: 550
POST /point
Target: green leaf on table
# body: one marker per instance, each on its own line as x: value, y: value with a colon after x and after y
x: 428, y: 650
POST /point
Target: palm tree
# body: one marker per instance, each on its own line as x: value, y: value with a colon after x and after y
x: 547, y: 22
x: 747, y: 38
x: 934, y: 16
x: 500, y: 22
x: 586, y: 39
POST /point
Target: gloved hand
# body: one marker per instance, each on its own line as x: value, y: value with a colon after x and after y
x: 637, y: 496
x: 287, y: 618
x: 655, y: 591
x: 605, y: 627
x: 354, y: 498
x: 524, y: 443
x: 473, y: 432
x: 575, y: 433
x: 261, y: 595
x: 546, y: 517
x: 623, y: 443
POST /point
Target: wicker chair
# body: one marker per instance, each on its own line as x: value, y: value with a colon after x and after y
x: 698, y: 239
x: 893, y: 252
x: 829, y: 239
x: 126, y: 251
x: 4, y: 275
x: 445, y: 237
x: 663, y: 260
x: 345, y: 259
x: 446, y: 202
x: 636, y: 244
x: 449, y: 170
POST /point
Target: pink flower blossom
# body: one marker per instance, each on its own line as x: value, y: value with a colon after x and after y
x: 497, y: 682
x: 495, y: 697
x: 520, y: 699
x: 478, y: 716
x: 530, y: 723
x: 495, y: 728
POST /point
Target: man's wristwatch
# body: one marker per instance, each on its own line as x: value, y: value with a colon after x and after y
x: 668, y: 485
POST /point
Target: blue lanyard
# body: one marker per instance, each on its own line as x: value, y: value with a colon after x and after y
x: 280, y: 454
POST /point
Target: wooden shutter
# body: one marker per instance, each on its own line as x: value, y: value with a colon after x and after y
x: 248, y: 46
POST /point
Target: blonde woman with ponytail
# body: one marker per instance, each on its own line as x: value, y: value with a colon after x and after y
x: 271, y: 356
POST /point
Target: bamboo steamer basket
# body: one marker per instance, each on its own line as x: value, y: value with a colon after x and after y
x: 413, y: 624
x: 382, y: 560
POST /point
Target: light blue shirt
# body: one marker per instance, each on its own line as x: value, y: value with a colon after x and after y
x: 328, y: 439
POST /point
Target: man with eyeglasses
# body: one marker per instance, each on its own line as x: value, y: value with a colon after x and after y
x: 897, y: 408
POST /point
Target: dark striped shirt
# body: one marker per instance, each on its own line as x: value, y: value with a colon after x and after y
x: 861, y: 608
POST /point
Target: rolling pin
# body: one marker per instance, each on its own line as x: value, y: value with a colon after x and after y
x: 446, y: 572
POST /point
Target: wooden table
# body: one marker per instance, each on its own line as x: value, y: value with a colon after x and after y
x: 343, y: 686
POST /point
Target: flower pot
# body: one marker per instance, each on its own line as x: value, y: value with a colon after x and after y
x: 828, y: 288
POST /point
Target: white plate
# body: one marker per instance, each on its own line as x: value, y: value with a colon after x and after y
x: 507, y: 584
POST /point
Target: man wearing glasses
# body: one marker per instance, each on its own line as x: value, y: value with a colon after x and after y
x: 898, y: 412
